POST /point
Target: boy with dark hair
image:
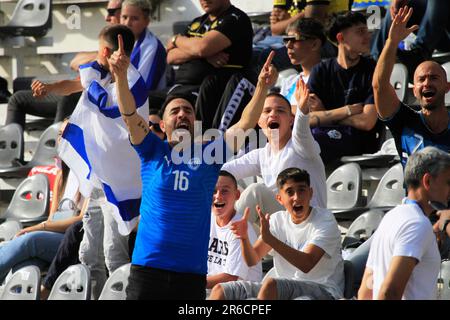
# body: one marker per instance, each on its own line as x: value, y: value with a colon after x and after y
x: 345, y: 116
x: 304, y: 241
x: 225, y: 261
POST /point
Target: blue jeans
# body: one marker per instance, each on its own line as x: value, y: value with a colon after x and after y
x: 22, y: 250
x: 433, y: 33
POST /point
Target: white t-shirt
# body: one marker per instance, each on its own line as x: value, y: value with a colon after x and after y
x: 301, y: 151
x: 320, y: 229
x: 224, y: 252
x: 406, y: 231
x: 288, y: 87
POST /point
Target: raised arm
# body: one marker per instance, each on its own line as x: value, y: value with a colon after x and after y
x: 386, y: 100
x: 137, y: 126
x: 60, y: 88
x: 280, y: 19
x: 252, y: 111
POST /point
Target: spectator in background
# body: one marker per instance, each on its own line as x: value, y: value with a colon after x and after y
x: 433, y: 32
x: 404, y: 259
x: 154, y: 121
x: 305, y: 242
x: 4, y: 93
x: 213, y: 56
x: 225, y: 261
x: 412, y: 130
x: 344, y: 117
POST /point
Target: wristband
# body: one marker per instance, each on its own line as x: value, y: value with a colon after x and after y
x: 128, y: 114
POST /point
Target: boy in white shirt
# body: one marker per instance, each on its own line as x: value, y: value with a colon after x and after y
x: 225, y: 261
x: 305, y: 244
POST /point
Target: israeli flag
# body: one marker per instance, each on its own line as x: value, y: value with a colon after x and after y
x: 96, y: 146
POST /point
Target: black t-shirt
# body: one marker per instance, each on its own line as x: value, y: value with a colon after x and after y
x: 411, y: 133
x: 236, y: 26
x: 337, y: 87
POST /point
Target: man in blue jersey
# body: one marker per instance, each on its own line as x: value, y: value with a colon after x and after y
x: 170, y: 256
x: 412, y: 130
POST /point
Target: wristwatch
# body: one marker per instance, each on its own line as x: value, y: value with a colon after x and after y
x: 174, y: 39
x: 444, y: 225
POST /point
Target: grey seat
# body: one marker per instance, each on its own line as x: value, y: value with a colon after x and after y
x: 362, y: 228
x: 11, y: 145
x: 31, y: 18
x: 73, y: 284
x: 389, y: 191
x: 344, y: 186
x: 443, y: 282
x: 30, y: 202
x: 25, y: 284
x: 114, y: 288
x: 9, y: 229
x: 399, y: 80
x: 45, y: 153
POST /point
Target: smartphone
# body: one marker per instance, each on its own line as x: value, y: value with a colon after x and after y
x: 436, y: 205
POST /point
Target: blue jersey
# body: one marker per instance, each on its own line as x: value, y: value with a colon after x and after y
x: 411, y: 133
x: 175, y: 210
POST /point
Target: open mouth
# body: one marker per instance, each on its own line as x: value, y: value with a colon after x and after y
x: 298, y: 208
x: 273, y: 125
x: 219, y: 205
x: 183, y: 125
x: 428, y: 94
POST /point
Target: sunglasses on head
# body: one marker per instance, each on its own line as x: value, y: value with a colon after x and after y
x: 297, y: 37
x: 112, y: 11
x: 155, y: 126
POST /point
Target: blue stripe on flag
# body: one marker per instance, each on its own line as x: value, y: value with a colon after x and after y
x: 128, y: 209
x: 158, y: 67
x: 136, y: 53
x: 74, y: 135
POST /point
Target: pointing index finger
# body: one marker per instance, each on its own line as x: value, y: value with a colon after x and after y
x: 269, y: 59
x: 120, y: 43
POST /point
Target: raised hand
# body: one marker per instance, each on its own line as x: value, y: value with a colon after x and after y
x: 302, y: 96
x: 398, y: 30
x: 264, y: 225
x: 239, y: 228
x: 118, y: 61
x: 269, y: 74
x: 39, y: 89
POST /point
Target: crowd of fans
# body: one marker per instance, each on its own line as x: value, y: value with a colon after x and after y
x: 196, y: 230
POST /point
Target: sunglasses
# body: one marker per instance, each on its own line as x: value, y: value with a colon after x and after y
x: 297, y: 37
x: 155, y: 126
x: 112, y: 11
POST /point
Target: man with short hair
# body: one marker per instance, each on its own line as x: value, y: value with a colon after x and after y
x: 170, y: 255
x: 412, y: 130
x: 305, y: 243
x: 345, y: 122
x: 404, y: 259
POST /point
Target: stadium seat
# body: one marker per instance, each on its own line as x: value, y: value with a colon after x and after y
x: 344, y: 186
x: 114, y: 288
x: 11, y: 145
x: 9, y: 229
x: 73, y: 284
x: 399, y: 80
x: 31, y: 18
x: 25, y: 284
x: 362, y: 228
x: 446, y: 67
x: 29, y: 204
x: 443, y: 282
x: 390, y: 191
x: 45, y: 155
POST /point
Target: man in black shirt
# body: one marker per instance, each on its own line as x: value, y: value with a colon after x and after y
x: 213, y: 54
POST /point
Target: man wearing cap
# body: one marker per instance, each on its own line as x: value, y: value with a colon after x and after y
x: 170, y: 256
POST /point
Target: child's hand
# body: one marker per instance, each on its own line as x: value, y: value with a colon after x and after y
x: 264, y: 225
x: 239, y: 228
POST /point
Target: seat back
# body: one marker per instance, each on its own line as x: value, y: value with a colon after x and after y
x: 46, y: 150
x: 30, y: 18
x: 114, y: 288
x: 363, y: 227
x: 446, y: 67
x: 348, y: 279
x: 443, y: 282
x: 389, y: 191
x: 11, y: 144
x: 25, y: 284
x: 30, y: 200
x: 9, y: 229
x: 399, y: 80
x: 73, y: 284
x: 344, y: 187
